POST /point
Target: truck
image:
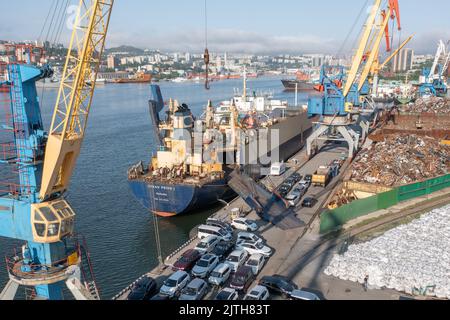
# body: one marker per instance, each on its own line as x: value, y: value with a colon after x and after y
x: 278, y: 169
x: 322, y: 176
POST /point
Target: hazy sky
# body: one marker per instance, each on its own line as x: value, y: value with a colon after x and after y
x: 256, y: 26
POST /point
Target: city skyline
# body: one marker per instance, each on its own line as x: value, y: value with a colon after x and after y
x: 240, y: 27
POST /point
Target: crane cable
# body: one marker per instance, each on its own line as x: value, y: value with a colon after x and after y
x: 206, y: 54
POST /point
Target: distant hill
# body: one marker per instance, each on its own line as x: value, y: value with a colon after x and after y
x: 130, y: 49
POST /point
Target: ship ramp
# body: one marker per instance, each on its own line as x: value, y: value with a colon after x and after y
x: 269, y: 206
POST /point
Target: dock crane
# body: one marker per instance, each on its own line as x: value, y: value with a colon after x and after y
x: 343, y: 96
x: 433, y: 81
x: 35, y: 210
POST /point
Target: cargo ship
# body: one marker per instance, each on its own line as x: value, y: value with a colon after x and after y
x: 191, y: 168
x: 301, y: 84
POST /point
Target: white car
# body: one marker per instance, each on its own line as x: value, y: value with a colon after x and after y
x: 237, y: 259
x: 205, y: 265
x: 207, y: 245
x: 175, y: 284
x: 247, y: 236
x: 227, y: 294
x: 259, y: 293
x: 255, y: 248
x: 256, y: 262
x: 220, y: 275
x: 245, y: 225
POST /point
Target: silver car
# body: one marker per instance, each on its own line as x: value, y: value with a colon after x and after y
x: 196, y: 290
x: 175, y: 284
x: 205, y: 265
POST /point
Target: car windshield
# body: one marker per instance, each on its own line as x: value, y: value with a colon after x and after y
x: 259, y: 246
x: 223, y: 232
x: 203, y: 263
x: 239, y: 279
x: 233, y: 259
x: 216, y: 274
x: 202, y: 245
x: 253, y: 263
x: 190, y: 291
x: 223, y: 295
x: 251, y: 297
x: 170, y: 283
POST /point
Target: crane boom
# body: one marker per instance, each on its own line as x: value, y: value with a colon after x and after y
x: 75, y: 95
x: 361, y: 48
x: 394, y: 54
x: 374, y: 53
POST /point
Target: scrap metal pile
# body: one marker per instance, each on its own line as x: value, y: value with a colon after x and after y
x: 429, y: 105
x: 400, y: 160
x: 412, y: 258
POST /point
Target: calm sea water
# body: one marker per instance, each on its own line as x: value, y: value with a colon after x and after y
x: 119, y: 231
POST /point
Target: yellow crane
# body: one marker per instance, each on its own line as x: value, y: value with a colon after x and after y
x: 75, y: 95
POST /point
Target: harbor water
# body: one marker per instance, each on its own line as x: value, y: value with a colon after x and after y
x: 119, y: 232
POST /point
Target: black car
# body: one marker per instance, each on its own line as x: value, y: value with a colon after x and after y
x: 278, y: 284
x: 144, y: 289
x: 160, y: 297
x: 297, y: 177
x: 223, y: 249
x: 309, y: 202
x: 308, y: 177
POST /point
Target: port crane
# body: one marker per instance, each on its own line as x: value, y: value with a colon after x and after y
x: 433, y: 81
x: 33, y: 208
x: 344, y: 95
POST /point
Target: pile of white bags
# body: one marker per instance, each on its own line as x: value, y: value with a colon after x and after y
x: 413, y: 258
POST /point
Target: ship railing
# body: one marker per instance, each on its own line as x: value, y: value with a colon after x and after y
x: 128, y: 289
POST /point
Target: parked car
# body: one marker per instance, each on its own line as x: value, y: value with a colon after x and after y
x: 220, y: 224
x: 303, y: 295
x: 175, y: 284
x: 207, y: 245
x: 242, y: 279
x: 220, y: 274
x: 256, y: 262
x: 187, y: 261
x: 305, y: 183
x: 247, y: 236
x: 309, y: 202
x: 255, y: 248
x: 196, y: 290
x: 205, y: 265
x: 227, y: 294
x: 205, y: 231
x: 144, y: 289
x: 223, y: 249
x: 278, y: 284
x: 258, y: 293
x: 294, y: 197
x: 245, y: 225
x: 297, y: 177
x: 308, y: 177
x: 160, y: 297
x: 237, y: 259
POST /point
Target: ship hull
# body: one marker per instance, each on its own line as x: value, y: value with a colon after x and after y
x: 167, y: 199
x: 293, y: 85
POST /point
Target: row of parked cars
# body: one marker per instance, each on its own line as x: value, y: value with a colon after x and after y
x: 219, y: 259
x: 295, y: 188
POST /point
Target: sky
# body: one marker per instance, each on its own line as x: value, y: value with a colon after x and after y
x: 248, y: 26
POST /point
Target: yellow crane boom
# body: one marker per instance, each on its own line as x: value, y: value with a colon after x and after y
x: 362, y: 47
x: 75, y: 95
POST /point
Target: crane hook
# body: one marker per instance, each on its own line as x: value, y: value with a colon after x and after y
x: 207, y: 61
